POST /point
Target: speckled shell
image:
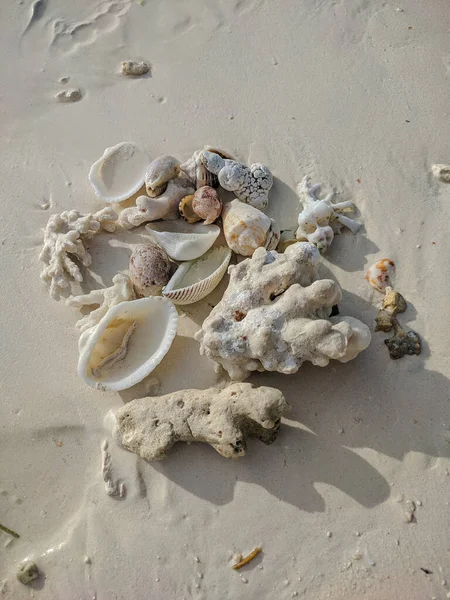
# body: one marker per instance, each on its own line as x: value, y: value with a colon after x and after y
x: 159, y: 173
x: 245, y: 227
x: 207, y: 204
x: 196, y: 170
x: 211, y: 268
x: 150, y: 269
x: 380, y: 274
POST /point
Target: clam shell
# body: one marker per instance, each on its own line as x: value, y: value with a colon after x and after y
x: 380, y: 274
x: 183, y: 241
x: 196, y: 170
x: 194, y: 280
x: 119, y: 173
x: 160, y: 172
x: 156, y: 322
x: 245, y: 227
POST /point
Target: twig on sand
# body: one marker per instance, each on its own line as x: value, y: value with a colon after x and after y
x: 247, y: 559
x: 10, y: 531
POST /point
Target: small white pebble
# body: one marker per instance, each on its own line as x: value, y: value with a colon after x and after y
x: 45, y: 205
x: 448, y: 595
x: 400, y: 10
x: 260, y: 567
x: 196, y: 559
x: 69, y: 95
x: 341, y: 431
x: 329, y: 534
x: 409, y: 516
x: 68, y: 183
x: 87, y: 560
x: 419, y: 246
x: 397, y: 541
x: 294, y: 594
x: 357, y: 556
x: 200, y: 575
x: 287, y: 582
x: 244, y: 580
x: 358, y: 533
x: 157, y: 579
x: 443, y: 582
x: 419, y: 502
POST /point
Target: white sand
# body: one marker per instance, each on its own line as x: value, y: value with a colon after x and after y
x: 344, y: 91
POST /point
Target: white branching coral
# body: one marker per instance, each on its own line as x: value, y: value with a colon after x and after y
x: 274, y: 316
x: 64, y: 237
x: 120, y: 291
x: 250, y: 184
x: 321, y: 219
x: 223, y: 418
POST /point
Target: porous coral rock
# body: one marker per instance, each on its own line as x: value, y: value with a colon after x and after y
x: 250, y: 184
x: 223, y: 418
x: 120, y: 291
x: 64, y: 237
x: 274, y: 315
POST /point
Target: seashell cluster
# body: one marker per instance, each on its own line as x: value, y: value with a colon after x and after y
x: 274, y: 315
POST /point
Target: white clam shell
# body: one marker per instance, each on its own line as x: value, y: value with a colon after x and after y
x: 245, y: 227
x: 156, y: 321
x: 119, y: 173
x: 194, y: 280
x: 183, y: 241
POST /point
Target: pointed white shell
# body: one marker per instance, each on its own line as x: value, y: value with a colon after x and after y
x: 183, y: 241
x: 119, y: 173
x: 245, y: 227
x: 194, y: 280
x: 156, y: 326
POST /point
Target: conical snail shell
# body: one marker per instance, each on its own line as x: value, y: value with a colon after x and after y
x: 196, y: 170
x: 245, y: 227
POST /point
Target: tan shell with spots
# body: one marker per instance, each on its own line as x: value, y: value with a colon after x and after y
x: 150, y: 269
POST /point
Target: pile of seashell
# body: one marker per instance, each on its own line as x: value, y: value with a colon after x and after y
x: 184, y: 207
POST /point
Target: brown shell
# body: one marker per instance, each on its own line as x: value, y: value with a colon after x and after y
x: 186, y: 210
x: 196, y: 170
x: 150, y: 269
x: 207, y: 204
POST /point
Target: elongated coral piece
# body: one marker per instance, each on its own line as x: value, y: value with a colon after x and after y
x: 223, y: 418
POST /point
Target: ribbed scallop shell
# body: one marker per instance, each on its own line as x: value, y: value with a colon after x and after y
x: 245, y: 227
x: 196, y: 170
x: 208, y: 270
